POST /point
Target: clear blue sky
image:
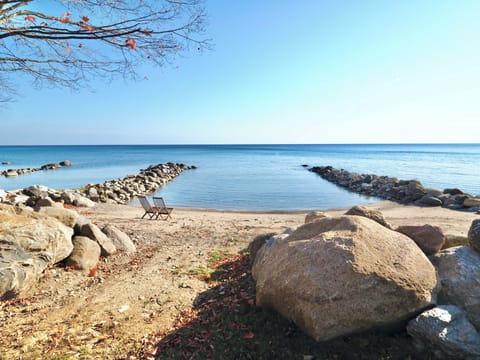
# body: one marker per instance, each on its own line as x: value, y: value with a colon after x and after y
x: 317, y: 71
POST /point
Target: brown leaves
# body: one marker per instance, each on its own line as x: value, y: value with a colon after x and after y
x: 216, y: 318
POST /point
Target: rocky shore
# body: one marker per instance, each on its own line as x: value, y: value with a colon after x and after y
x: 402, y: 191
x: 117, y: 191
x: 37, y: 230
x: 17, y: 172
x: 356, y: 272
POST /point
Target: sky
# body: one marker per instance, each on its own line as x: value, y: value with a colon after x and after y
x: 306, y: 71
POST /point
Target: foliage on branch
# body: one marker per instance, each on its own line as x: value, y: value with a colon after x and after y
x: 66, y: 42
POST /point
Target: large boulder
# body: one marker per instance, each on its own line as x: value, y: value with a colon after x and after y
x: 428, y: 237
x: 120, y: 240
x: 343, y: 275
x: 29, y: 243
x: 371, y: 214
x: 474, y: 235
x: 85, y: 254
x: 447, y: 332
x: 459, y: 272
x: 93, y: 232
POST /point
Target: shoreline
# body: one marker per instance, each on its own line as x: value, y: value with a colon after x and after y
x: 451, y: 221
x: 132, y: 296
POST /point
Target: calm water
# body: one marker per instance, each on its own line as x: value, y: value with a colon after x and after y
x: 250, y: 176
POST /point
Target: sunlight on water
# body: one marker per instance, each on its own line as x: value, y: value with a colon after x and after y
x: 250, y: 176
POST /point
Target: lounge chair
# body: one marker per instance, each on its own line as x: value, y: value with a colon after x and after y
x: 154, y: 212
x: 163, y: 210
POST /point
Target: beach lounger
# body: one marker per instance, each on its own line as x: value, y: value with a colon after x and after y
x: 154, y: 212
x: 163, y: 210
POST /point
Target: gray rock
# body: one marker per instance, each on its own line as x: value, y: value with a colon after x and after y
x: 93, y: 232
x: 67, y: 197
x: 82, y: 201
x: 430, y: 200
x: 85, y: 254
x: 474, y: 235
x: 343, y: 275
x: 453, y: 191
x: 66, y: 163
x: 45, y: 202
x: 459, y: 272
x: 434, y: 192
x: 447, y: 331
x: 35, y: 191
x: 415, y: 190
x: 92, y: 194
x: 119, y: 239
x: 29, y: 243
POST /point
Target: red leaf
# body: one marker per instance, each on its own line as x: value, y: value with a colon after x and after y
x: 131, y: 43
x: 248, y: 335
x: 85, y: 18
x: 30, y: 18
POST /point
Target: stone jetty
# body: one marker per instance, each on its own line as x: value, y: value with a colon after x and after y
x: 117, y: 191
x: 402, y: 191
x: 148, y: 181
x: 17, y: 172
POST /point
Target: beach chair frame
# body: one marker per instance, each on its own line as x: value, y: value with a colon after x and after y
x: 164, y: 212
x: 155, y: 212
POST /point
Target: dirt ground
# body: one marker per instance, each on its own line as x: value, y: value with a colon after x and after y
x: 71, y: 315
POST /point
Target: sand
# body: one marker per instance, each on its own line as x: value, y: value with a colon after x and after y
x: 132, y: 295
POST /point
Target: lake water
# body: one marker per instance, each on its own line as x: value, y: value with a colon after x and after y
x: 255, y: 177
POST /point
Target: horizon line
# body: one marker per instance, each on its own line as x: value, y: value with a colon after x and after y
x: 248, y: 144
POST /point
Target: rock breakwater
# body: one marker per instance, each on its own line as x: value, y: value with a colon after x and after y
x: 117, y: 191
x: 16, y: 172
x: 148, y: 181
x: 403, y: 191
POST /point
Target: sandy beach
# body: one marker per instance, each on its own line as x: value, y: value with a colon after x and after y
x: 106, y: 315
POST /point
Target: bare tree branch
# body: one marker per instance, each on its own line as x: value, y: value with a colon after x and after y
x: 67, y: 42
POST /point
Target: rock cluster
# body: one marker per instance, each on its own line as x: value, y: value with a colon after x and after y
x: 37, y: 196
x: 335, y: 276
x: 149, y: 180
x: 16, y: 172
x: 392, y: 188
x: 30, y: 242
x: 342, y: 275
x: 119, y: 191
